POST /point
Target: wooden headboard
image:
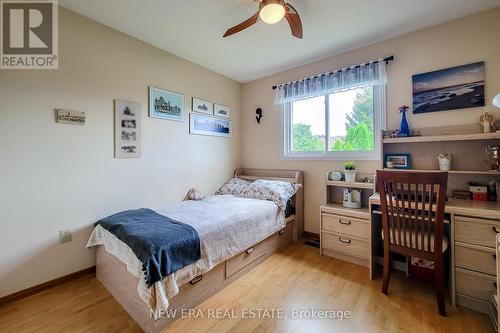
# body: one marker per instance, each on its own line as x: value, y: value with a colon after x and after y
x: 292, y: 176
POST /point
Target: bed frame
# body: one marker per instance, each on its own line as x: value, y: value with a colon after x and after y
x: 113, y: 274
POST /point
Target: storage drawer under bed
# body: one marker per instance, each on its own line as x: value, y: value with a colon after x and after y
x: 245, y: 258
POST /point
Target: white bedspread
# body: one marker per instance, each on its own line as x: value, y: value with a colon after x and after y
x: 226, y: 225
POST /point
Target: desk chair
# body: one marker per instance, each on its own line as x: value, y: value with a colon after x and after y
x: 412, y: 205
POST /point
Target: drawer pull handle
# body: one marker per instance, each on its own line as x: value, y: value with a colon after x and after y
x: 344, y: 222
x: 494, y: 256
x: 495, y: 229
x: 196, y: 280
x: 495, y: 285
x: 281, y: 232
x: 347, y: 241
x: 250, y: 250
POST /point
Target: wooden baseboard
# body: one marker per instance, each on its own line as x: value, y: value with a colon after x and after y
x: 46, y: 285
x: 311, y: 236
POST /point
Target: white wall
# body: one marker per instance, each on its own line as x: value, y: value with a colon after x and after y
x: 470, y: 39
x: 55, y: 176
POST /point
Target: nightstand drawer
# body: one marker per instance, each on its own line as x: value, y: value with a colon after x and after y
x: 476, y: 231
x: 345, y: 244
x: 476, y: 258
x: 474, y: 284
x: 346, y: 225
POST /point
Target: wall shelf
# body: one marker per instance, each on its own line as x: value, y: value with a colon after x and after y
x: 448, y: 137
x: 341, y: 183
x: 457, y: 172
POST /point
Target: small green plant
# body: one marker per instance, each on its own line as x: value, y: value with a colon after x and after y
x: 350, y: 165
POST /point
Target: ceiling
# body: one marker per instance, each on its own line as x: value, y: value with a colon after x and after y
x: 193, y: 29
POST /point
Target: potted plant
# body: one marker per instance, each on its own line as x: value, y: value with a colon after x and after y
x: 350, y: 171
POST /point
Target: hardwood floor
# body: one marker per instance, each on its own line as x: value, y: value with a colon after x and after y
x: 294, y: 278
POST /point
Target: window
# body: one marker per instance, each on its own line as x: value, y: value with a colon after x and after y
x: 341, y: 125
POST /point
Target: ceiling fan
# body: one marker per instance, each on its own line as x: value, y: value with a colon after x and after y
x: 272, y: 11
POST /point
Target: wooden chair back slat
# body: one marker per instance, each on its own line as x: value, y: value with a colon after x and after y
x: 412, y: 205
x: 413, y: 209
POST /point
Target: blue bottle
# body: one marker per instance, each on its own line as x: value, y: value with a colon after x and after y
x: 404, y: 129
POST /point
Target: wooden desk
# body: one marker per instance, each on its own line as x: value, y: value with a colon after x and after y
x: 485, y: 209
x: 473, y: 230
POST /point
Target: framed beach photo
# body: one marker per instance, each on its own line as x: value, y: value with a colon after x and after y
x: 164, y: 104
x: 397, y: 161
x: 452, y: 88
x: 206, y: 125
x: 127, y: 129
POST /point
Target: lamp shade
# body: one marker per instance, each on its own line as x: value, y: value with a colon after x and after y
x: 496, y: 101
x: 272, y: 13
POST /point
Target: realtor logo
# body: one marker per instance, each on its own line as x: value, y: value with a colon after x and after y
x: 29, y: 34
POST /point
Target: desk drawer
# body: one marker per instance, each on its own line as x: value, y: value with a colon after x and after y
x: 346, y: 225
x: 476, y: 258
x: 345, y: 244
x: 474, y: 284
x: 476, y: 231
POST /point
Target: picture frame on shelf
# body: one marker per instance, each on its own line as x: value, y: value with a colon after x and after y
x: 222, y: 111
x: 127, y: 129
x: 164, y: 104
x: 201, y: 106
x: 209, y: 125
x: 397, y: 161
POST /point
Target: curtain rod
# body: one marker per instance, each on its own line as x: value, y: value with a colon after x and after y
x: 387, y: 59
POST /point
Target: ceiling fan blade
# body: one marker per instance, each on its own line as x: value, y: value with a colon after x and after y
x: 293, y: 18
x: 242, y: 26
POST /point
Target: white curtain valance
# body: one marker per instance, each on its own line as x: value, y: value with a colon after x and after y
x: 372, y: 73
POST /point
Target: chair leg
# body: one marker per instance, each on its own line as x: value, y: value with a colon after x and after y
x: 439, y: 282
x: 387, y: 272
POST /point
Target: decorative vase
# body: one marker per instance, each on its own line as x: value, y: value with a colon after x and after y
x: 350, y: 176
x: 444, y: 162
x: 404, y: 129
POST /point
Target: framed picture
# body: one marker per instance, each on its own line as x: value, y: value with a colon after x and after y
x: 70, y: 117
x: 449, y: 89
x: 222, y: 111
x: 127, y: 129
x: 199, y: 105
x: 165, y: 104
x: 399, y: 161
x: 206, y: 125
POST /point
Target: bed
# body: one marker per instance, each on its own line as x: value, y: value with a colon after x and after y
x: 251, y: 230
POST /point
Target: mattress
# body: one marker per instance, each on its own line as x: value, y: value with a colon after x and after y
x: 226, y: 225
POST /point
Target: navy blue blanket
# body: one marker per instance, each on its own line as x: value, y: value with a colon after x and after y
x: 161, y: 244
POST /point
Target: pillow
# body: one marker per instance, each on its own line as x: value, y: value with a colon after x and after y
x: 233, y: 186
x: 277, y: 191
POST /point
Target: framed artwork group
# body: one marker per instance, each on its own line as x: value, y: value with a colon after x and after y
x: 206, y: 118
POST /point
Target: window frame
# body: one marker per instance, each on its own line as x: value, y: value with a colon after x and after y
x: 379, y: 124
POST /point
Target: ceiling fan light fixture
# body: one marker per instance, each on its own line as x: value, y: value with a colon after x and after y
x: 272, y: 13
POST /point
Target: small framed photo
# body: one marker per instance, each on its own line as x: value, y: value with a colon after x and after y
x: 397, y: 161
x: 208, y: 125
x: 127, y: 129
x: 201, y: 106
x: 165, y: 104
x: 222, y: 111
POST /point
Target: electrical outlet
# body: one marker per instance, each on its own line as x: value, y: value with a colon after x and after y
x: 64, y: 236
